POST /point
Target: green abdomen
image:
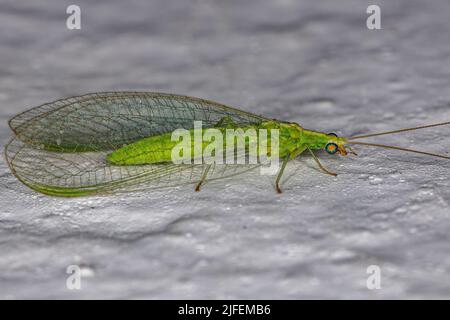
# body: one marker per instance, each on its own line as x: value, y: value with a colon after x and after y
x: 149, y: 150
x: 158, y: 149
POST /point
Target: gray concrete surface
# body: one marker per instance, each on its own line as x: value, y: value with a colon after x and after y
x: 313, y: 62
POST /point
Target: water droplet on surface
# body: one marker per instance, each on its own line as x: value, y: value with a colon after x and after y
x: 375, y: 180
x: 426, y: 193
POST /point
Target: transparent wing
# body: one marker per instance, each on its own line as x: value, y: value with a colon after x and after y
x: 109, y: 120
x: 60, y: 148
x: 74, y: 174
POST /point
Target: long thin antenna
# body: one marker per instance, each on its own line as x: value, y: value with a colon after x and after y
x: 399, y: 130
x: 398, y: 148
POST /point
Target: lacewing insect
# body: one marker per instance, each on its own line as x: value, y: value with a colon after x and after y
x: 109, y: 142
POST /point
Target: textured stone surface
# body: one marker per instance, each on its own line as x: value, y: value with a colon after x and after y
x: 313, y: 62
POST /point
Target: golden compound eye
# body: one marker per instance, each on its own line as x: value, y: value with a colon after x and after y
x: 331, y: 148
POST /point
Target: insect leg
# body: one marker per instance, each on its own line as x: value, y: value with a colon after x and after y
x: 197, y: 188
x: 320, y: 165
x: 280, y: 173
x: 351, y: 150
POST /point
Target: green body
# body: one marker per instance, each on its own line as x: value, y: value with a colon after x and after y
x: 293, y: 140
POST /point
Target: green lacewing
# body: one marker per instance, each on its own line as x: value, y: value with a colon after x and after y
x: 89, y: 144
